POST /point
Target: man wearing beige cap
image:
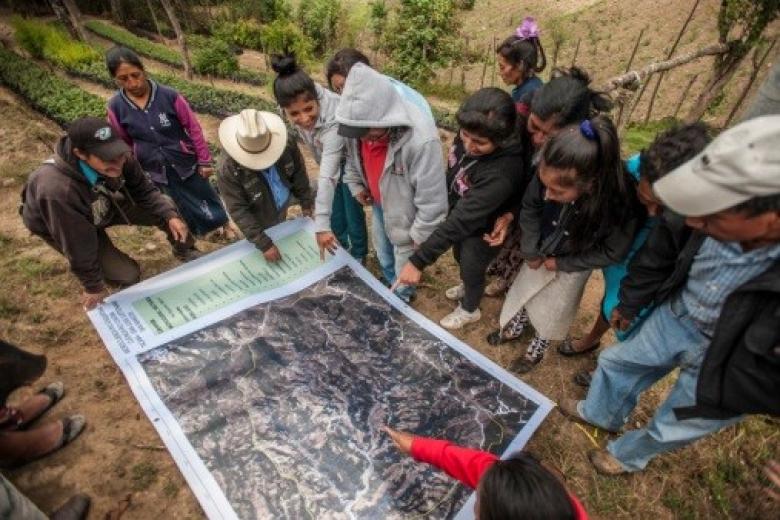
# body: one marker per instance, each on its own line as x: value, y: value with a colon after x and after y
x: 721, y: 326
x: 259, y: 174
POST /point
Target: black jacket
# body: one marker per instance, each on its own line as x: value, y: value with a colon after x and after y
x: 492, y: 185
x: 660, y: 267
x: 545, y: 228
x: 60, y: 206
x: 248, y: 196
x: 741, y: 368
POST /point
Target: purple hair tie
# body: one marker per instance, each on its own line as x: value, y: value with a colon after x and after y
x: 528, y: 29
x: 586, y: 127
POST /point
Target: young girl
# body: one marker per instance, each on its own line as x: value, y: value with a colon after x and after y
x: 579, y: 213
x: 158, y: 123
x: 668, y: 151
x: 518, y: 487
x: 520, y: 58
x: 565, y: 100
x: 312, y: 111
x: 485, y: 175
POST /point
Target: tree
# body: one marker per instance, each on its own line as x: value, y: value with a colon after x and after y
x: 116, y: 10
x: 319, y: 20
x: 179, y: 37
x: 68, y: 13
x: 422, y: 36
x: 749, y: 18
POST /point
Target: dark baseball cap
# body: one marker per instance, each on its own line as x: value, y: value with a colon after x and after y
x: 353, y: 132
x: 95, y: 136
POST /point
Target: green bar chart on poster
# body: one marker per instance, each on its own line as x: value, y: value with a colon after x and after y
x: 229, y: 283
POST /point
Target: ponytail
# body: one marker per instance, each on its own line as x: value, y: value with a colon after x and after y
x: 291, y: 81
x: 591, y: 150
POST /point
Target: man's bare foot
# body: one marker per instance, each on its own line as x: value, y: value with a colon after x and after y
x: 20, y: 447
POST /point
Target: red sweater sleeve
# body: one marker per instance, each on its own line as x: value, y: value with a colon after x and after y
x: 190, y: 123
x: 464, y: 464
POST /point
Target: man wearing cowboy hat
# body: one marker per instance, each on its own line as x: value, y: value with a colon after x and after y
x: 259, y: 174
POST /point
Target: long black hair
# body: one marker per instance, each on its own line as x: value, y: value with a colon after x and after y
x: 525, y: 53
x: 341, y: 63
x: 568, y: 98
x: 118, y: 55
x: 590, y: 151
x: 520, y: 487
x: 291, y: 81
x: 489, y: 113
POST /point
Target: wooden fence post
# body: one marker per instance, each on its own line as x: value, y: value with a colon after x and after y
x: 576, y: 52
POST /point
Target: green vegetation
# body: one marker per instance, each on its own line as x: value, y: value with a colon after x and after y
x: 320, y: 21
x: 55, y: 97
x: 639, y: 135
x: 206, y: 53
x: 49, y: 42
x: 140, y: 45
x: 282, y: 36
x: 143, y: 475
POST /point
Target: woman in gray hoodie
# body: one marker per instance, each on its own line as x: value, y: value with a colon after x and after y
x: 394, y: 163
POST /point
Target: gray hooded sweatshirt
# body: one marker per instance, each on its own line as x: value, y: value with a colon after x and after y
x: 412, y: 184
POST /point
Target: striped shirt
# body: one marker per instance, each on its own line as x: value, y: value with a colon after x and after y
x: 718, y: 269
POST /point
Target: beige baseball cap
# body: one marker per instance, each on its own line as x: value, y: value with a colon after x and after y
x: 741, y: 163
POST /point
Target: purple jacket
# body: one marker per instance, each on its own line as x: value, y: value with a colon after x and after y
x: 164, y: 134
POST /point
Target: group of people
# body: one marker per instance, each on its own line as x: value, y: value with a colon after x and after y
x: 532, y: 197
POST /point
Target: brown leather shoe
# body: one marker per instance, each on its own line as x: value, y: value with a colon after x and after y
x: 568, y: 407
x: 76, y: 508
x: 605, y: 463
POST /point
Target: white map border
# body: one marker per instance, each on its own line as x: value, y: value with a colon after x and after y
x: 199, y: 478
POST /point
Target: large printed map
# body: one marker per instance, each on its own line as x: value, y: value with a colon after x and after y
x: 272, y: 401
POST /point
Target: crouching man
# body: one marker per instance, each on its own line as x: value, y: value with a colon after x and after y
x: 93, y: 182
x: 260, y: 175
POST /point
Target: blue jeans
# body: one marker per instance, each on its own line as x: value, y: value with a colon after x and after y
x: 667, y: 340
x: 391, y: 257
x: 348, y: 222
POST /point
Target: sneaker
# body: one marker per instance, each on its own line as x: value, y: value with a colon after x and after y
x: 605, y: 463
x: 495, y: 288
x: 455, y: 293
x: 459, y: 318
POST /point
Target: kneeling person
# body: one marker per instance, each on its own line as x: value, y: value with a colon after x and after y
x: 259, y: 173
x: 93, y: 182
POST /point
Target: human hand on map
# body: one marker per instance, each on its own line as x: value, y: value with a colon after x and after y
x: 409, y: 275
x: 326, y: 240
x: 272, y: 254
x: 91, y: 300
x: 550, y: 264
x: 178, y: 229
x: 364, y: 197
x: 402, y: 440
x: 500, y: 230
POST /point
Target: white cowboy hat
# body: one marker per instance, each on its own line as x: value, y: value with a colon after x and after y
x: 254, y: 139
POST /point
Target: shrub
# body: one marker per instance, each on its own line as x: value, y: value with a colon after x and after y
x: 319, y: 20
x: 51, y: 95
x: 283, y: 36
x: 215, y: 58
x: 423, y: 36
x: 243, y: 33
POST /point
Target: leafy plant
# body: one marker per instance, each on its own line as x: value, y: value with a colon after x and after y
x: 47, y: 41
x: 51, y: 95
x: 243, y: 33
x: 215, y: 58
x: 320, y: 20
x: 423, y: 36
x: 283, y: 36
x: 140, y: 45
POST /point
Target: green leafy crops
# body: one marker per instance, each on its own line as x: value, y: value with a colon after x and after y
x: 51, y: 95
x: 169, y: 56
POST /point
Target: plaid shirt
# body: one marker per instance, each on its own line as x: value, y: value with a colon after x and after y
x: 718, y: 269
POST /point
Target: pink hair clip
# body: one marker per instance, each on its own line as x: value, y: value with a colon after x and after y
x: 528, y: 29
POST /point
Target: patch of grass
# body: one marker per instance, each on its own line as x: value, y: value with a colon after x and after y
x: 170, y: 489
x: 34, y: 268
x: 726, y: 475
x: 8, y: 308
x: 143, y: 475
x: 677, y: 503
x: 639, y: 135
x: 609, y: 495
x: 454, y: 92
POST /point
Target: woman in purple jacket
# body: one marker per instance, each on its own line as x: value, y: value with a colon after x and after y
x: 166, y: 137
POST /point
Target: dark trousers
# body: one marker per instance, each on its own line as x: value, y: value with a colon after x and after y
x: 473, y: 256
x: 348, y: 222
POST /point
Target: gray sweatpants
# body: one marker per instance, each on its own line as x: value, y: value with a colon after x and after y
x: 14, y: 505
